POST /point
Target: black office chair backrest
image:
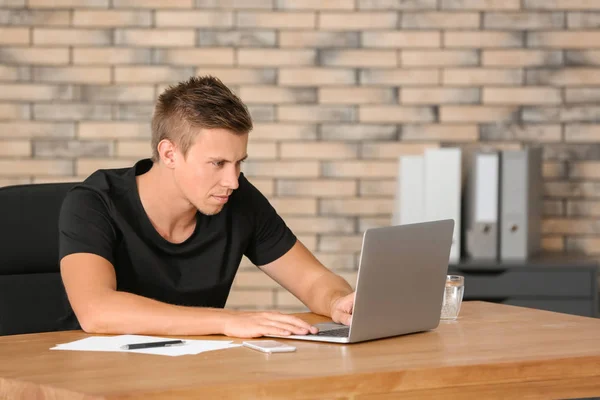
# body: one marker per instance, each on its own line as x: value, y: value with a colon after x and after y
x: 31, y: 293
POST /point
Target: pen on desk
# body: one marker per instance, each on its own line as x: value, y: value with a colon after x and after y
x: 149, y: 345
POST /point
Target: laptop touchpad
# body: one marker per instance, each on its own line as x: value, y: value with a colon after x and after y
x: 328, y: 326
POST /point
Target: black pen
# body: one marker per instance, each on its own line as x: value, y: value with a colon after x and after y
x: 149, y: 345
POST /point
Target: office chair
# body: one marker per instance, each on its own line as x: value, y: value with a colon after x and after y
x: 32, y: 296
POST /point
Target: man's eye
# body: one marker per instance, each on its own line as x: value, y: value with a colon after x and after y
x: 217, y: 163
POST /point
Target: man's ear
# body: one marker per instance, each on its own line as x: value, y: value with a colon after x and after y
x: 167, y: 153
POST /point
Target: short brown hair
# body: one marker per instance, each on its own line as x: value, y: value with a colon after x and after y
x: 199, y: 102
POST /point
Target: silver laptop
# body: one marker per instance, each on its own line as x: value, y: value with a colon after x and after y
x: 400, y: 283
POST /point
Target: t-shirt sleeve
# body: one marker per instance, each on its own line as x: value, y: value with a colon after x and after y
x: 271, y: 237
x: 84, y: 225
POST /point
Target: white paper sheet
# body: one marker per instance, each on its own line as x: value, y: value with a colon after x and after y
x: 114, y: 343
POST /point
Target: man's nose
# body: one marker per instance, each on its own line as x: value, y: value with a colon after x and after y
x: 230, y: 178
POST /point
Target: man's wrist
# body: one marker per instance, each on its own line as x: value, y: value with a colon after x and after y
x: 222, y: 318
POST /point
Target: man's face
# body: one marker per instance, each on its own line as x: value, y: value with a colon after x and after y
x: 210, y: 172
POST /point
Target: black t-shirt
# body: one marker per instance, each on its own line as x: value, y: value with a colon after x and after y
x: 104, y: 216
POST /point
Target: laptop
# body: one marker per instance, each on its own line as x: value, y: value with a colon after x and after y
x: 400, y: 284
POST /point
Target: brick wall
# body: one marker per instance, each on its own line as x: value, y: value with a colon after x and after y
x: 337, y: 88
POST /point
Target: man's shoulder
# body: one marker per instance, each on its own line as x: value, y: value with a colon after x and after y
x: 102, y: 186
x: 87, y: 194
x: 108, y: 181
x: 105, y: 179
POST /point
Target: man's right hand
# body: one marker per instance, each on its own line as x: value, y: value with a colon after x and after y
x: 244, y: 324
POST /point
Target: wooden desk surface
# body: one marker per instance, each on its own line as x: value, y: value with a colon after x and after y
x: 492, y: 351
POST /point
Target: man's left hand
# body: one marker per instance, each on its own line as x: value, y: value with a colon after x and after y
x: 341, y: 309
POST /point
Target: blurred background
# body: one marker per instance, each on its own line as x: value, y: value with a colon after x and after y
x: 338, y: 89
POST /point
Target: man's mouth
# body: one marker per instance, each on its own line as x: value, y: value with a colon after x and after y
x: 221, y: 199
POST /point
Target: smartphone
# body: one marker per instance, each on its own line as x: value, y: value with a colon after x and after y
x: 269, y: 346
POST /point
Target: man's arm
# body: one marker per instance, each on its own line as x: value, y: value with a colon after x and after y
x: 90, y: 283
x: 316, y: 286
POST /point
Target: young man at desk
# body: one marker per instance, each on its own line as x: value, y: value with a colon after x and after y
x: 154, y: 249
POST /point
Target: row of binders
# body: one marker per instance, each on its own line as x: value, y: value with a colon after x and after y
x: 494, y: 197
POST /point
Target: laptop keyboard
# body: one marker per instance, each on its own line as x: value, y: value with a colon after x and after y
x: 342, y: 332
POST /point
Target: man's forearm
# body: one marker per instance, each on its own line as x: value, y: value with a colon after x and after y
x: 121, y: 312
x: 324, y: 291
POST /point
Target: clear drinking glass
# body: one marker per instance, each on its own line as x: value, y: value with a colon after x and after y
x: 453, y: 295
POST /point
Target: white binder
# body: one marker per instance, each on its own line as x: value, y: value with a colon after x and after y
x: 443, y: 188
x: 409, y: 206
x: 521, y: 203
x: 482, y: 209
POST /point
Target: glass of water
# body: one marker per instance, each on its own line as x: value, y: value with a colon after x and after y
x: 453, y: 295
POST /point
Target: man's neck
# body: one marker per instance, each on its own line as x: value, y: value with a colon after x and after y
x: 173, y: 217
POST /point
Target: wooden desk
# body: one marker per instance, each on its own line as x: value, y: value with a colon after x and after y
x: 492, y: 351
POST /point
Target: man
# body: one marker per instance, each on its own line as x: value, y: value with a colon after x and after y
x: 154, y: 249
